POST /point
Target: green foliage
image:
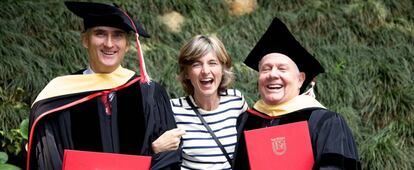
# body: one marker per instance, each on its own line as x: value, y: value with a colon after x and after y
x: 386, y: 149
x: 3, y: 157
x: 3, y: 165
x: 9, y: 167
x: 365, y: 46
x: 12, y: 108
x: 24, y: 129
x: 14, y: 141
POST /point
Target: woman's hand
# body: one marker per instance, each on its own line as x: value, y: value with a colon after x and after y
x: 169, y: 140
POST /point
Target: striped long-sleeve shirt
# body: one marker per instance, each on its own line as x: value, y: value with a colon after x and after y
x: 200, y: 151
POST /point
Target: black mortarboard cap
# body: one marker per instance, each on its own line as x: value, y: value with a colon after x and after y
x: 278, y: 39
x: 98, y: 14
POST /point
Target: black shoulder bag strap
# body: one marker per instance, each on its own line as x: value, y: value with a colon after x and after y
x: 210, y: 131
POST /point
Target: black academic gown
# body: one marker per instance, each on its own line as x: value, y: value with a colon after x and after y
x: 332, y: 141
x: 140, y: 113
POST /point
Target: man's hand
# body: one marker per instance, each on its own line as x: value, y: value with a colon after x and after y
x: 169, y: 140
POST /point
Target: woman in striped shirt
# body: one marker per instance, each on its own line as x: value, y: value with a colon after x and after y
x: 205, y: 73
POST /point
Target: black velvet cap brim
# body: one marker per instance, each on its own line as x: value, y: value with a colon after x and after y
x: 97, y: 14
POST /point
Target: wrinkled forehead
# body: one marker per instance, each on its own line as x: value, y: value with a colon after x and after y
x: 277, y: 59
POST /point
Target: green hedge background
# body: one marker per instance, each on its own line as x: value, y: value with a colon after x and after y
x: 366, y: 47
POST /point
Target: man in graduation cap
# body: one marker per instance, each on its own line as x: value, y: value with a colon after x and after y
x: 285, y: 70
x: 104, y: 108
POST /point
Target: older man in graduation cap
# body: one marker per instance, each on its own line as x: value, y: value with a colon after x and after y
x: 105, y: 107
x: 285, y: 70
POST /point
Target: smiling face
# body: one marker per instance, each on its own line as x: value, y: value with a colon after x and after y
x: 106, y: 48
x: 279, y: 78
x: 199, y: 50
x: 205, y: 74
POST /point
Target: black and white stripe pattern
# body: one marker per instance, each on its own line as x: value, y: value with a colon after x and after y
x: 200, y: 151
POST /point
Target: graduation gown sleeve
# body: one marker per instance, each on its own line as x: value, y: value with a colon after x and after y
x: 47, y: 150
x: 333, y: 144
x: 240, y: 160
x: 160, y: 119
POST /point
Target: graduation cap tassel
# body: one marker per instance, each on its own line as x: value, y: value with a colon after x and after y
x: 310, y: 92
x: 144, y: 76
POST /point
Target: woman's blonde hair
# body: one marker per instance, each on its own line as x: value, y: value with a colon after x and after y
x: 198, y: 47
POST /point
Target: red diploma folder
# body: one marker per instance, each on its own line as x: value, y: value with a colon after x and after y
x: 84, y: 160
x: 285, y: 146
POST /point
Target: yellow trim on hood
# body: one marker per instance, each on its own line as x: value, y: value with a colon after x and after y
x: 71, y: 84
x: 298, y: 103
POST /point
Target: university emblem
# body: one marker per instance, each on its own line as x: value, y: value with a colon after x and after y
x: 278, y: 145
